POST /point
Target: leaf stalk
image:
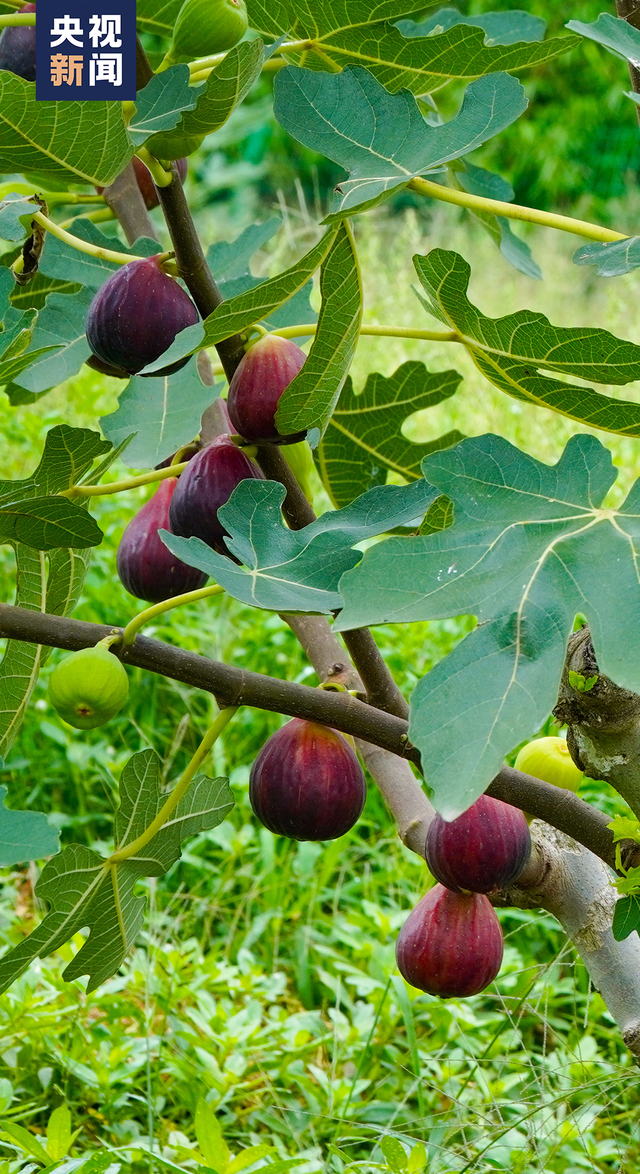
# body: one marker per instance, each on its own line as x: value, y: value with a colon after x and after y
x: 144, y: 617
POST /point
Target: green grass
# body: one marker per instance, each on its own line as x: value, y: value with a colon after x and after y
x: 265, y: 980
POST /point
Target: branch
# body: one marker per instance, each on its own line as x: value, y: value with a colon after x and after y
x: 629, y: 10
x: 593, y: 232
x: 125, y: 200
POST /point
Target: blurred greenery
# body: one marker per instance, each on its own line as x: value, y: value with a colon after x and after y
x: 265, y: 980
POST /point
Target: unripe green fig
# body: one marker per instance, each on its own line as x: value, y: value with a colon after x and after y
x: 205, y: 27
x: 173, y: 144
x: 88, y: 687
x: 300, y: 461
x: 549, y: 759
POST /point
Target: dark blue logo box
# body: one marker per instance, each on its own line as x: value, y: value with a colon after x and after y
x: 86, y: 51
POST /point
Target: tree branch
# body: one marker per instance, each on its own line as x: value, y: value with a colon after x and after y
x: 629, y: 10
x: 125, y: 200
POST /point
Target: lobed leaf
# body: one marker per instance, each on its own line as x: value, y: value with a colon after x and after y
x: 58, y: 346
x: 160, y: 105
x: 510, y: 351
x: 310, y: 398
x: 363, y: 442
x: 612, y: 259
x: 229, y: 261
x: 83, y: 891
x: 382, y: 139
x: 24, y: 835
x: 12, y: 207
x: 500, y: 28
x: 295, y: 570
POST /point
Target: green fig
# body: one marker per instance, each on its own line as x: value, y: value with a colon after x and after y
x: 300, y: 460
x: 173, y: 144
x: 206, y: 27
x: 549, y: 759
x: 88, y: 687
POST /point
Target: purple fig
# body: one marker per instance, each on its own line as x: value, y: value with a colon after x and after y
x: 451, y: 944
x: 148, y: 189
x: 482, y: 850
x: 135, y: 316
x: 307, y: 783
x: 147, y: 569
x: 206, y: 484
x: 259, y: 381
x: 18, y: 48
x: 97, y: 364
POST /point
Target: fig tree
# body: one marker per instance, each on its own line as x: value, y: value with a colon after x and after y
x: 148, y: 189
x: 88, y: 687
x: 206, y: 484
x: 146, y: 567
x: 135, y: 316
x: 267, y: 368
x: 482, y: 850
x: 205, y: 27
x: 451, y: 944
x: 549, y: 759
x: 307, y: 783
x: 18, y: 48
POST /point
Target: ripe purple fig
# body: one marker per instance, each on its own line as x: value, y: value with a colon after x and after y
x: 259, y: 381
x: 451, y: 944
x: 147, y: 569
x: 206, y: 484
x: 148, y: 189
x: 135, y: 316
x: 97, y: 364
x: 18, y: 48
x: 482, y: 850
x: 307, y: 783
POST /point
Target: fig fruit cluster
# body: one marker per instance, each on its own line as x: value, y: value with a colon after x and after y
x: 136, y: 315
x: 307, y: 783
x: 18, y: 48
x: 187, y: 506
x: 451, y: 944
x: 88, y: 687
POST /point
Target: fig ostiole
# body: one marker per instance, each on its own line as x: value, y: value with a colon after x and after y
x: 265, y: 371
x: 205, y: 485
x: 146, y: 567
x: 307, y: 783
x: 482, y: 850
x: 136, y: 315
x: 206, y: 27
x: 88, y: 687
x: 451, y: 944
x: 549, y: 759
x: 18, y: 48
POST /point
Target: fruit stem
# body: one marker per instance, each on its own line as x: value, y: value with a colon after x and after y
x: 134, y: 625
x: 17, y: 18
x: 593, y: 232
x: 200, y: 69
x: 307, y: 328
x: 126, y: 483
x: 115, y: 638
x: 86, y: 247
x: 97, y: 217
x: 50, y: 198
x: 160, y: 177
x: 180, y: 789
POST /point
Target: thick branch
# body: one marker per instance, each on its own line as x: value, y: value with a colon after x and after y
x: 125, y: 200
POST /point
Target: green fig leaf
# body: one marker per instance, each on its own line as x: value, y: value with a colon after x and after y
x: 157, y: 16
x: 500, y: 28
x: 24, y: 835
x: 510, y: 351
x: 160, y: 105
x: 382, y: 139
x: 364, y: 441
x: 58, y: 345
x: 479, y: 182
x: 164, y: 413
x: 82, y: 891
x: 12, y: 207
x: 612, y: 259
x: 66, y: 263
x: 295, y: 570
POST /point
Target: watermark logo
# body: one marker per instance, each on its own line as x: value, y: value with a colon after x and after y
x: 85, y: 51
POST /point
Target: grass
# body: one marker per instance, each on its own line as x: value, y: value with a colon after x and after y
x: 265, y: 981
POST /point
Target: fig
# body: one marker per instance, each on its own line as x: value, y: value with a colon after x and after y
x: 451, y: 944
x: 482, y: 850
x: 89, y: 687
x: 206, y: 484
x: 18, y: 48
x: 259, y: 380
x: 173, y: 144
x: 205, y: 27
x: 307, y: 783
x: 146, y: 567
x: 549, y: 759
x: 135, y: 316
x: 148, y: 189
x: 97, y: 364
x: 300, y: 461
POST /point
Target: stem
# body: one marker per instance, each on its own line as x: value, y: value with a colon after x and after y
x: 125, y: 199
x: 233, y: 686
x: 375, y: 331
x: 126, y: 483
x: 180, y: 789
x: 85, y: 246
x: 593, y: 232
x: 134, y: 625
x: 629, y: 10
x: 98, y: 217
x: 200, y: 69
x: 11, y: 20
x: 159, y: 175
x: 380, y: 686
